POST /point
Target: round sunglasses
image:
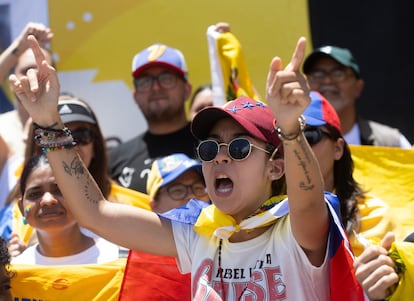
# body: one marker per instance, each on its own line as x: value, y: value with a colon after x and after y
x: 238, y: 149
x: 315, y: 134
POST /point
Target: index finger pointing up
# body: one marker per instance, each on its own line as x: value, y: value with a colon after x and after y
x: 38, y: 54
x: 298, y: 56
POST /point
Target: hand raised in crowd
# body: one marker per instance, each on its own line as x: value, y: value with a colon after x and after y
x: 42, y: 33
x: 16, y: 246
x: 375, y: 270
x: 39, y: 89
x: 288, y: 90
x: 222, y: 27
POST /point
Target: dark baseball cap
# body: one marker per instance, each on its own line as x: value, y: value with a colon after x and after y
x: 342, y: 55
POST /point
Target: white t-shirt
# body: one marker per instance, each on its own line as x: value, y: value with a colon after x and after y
x: 101, y: 252
x: 272, y: 264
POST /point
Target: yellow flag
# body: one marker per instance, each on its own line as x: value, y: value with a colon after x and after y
x: 92, y: 282
x: 229, y: 75
x: 388, y: 173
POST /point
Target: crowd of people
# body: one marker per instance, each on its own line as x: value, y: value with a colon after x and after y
x: 187, y: 188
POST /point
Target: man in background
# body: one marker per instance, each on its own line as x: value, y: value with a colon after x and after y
x: 161, y: 87
x: 334, y: 72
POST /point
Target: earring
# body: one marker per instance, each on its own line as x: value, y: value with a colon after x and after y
x: 24, y: 220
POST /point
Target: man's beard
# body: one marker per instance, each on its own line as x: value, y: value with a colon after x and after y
x: 156, y: 115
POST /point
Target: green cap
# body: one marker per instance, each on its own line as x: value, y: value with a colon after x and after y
x: 342, y: 55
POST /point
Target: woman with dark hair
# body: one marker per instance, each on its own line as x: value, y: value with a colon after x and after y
x: 60, y: 239
x: 81, y: 120
x: 363, y: 216
x: 90, y: 144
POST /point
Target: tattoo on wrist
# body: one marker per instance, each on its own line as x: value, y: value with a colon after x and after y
x: 307, y: 183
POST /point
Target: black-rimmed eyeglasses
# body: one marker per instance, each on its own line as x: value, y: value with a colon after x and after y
x: 336, y: 75
x: 165, y: 80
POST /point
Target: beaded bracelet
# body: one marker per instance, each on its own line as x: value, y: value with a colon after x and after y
x: 53, y: 137
x: 47, y: 149
x: 52, y: 134
x: 53, y: 142
x: 287, y: 138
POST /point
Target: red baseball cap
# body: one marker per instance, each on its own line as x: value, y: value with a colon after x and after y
x: 254, y: 116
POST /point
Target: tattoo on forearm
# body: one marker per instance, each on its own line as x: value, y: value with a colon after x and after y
x: 305, y: 150
x: 75, y: 168
x: 86, y: 189
x: 303, y: 162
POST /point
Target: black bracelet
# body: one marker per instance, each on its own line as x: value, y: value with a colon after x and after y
x: 47, y: 128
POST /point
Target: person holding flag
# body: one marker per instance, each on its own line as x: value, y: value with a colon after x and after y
x: 230, y: 77
x: 386, y: 271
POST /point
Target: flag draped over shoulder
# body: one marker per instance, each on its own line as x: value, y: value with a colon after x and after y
x: 343, y: 284
x: 229, y: 75
x: 151, y: 277
x: 93, y: 282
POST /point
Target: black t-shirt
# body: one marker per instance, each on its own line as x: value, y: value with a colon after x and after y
x: 130, y: 162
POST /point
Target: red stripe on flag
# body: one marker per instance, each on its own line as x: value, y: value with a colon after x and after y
x: 152, y: 277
